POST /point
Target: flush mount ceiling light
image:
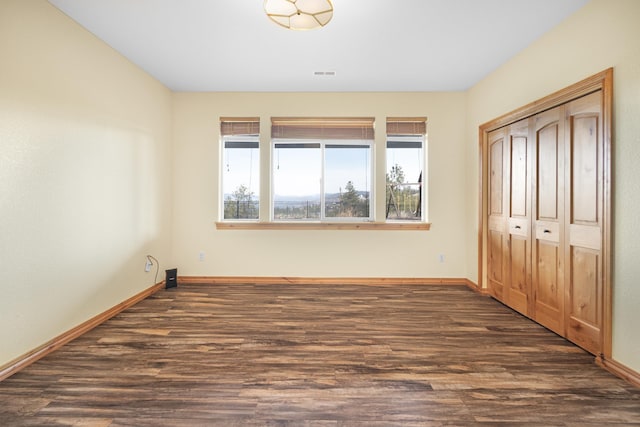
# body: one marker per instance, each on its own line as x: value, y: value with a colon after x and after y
x: 299, y: 14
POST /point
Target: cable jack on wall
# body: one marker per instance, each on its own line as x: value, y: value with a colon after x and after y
x: 149, y: 264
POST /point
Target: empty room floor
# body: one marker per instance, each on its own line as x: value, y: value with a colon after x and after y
x: 288, y: 355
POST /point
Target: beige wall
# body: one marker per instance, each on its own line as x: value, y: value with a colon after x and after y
x: 84, y: 183
x: 603, y: 34
x: 324, y: 253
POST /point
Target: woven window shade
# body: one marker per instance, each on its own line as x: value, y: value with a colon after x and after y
x: 322, y: 128
x: 239, y: 126
x: 406, y: 125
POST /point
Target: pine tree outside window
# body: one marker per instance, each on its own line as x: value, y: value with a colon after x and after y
x: 405, y: 177
x: 322, y: 169
x: 240, y: 168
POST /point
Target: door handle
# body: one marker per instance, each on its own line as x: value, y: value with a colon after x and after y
x: 547, y: 231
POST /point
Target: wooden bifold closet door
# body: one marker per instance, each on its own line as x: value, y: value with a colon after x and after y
x: 546, y: 183
x: 548, y: 221
x: 584, y: 222
x: 509, y: 216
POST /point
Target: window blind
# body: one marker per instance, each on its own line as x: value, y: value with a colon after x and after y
x: 406, y: 125
x: 322, y: 128
x: 239, y: 126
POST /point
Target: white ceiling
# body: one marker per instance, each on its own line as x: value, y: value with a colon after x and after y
x: 371, y: 45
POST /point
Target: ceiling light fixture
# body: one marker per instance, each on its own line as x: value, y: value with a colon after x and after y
x: 299, y: 14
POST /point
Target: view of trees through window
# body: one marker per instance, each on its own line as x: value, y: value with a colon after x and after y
x: 241, y: 204
x: 404, y: 178
x: 317, y: 180
x: 241, y: 177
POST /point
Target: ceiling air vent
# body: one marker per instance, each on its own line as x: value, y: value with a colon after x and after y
x: 324, y: 73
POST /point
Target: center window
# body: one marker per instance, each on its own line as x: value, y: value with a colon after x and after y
x: 322, y: 169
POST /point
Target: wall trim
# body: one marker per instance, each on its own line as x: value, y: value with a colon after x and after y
x: 52, y: 345
x: 619, y: 370
x: 371, y: 281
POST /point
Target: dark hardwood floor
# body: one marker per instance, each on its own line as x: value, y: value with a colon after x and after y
x: 280, y: 355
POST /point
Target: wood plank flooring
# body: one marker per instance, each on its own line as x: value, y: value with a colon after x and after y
x: 317, y: 355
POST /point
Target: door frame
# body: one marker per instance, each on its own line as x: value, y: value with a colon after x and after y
x: 602, y: 81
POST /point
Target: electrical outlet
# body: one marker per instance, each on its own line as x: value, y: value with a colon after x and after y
x: 201, y: 256
x: 441, y: 257
x: 147, y: 266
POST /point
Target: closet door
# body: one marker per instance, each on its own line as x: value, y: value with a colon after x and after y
x: 584, y: 205
x: 496, y: 243
x: 548, y: 222
x: 518, y: 182
x: 546, y: 211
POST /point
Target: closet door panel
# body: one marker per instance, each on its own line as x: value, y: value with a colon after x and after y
x: 496, y: 250
x: 519, y: 245
x: 586, y: 309
x: 496, y: 166
x: 584, y: 168
x: 519, y: 183
x: 519, y: 288
x: 547, y: 253
x: 549, y: 298
x: 548, y: 146
x: 584, y: 294
x: 497, y: 243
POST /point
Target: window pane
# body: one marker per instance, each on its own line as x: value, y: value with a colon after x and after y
x: 296, y: 181
x: 241, y: 178
x: 347, y: 181
x: 404, y: 178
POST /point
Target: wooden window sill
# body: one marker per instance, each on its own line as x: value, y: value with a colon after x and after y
x: 248, y: 225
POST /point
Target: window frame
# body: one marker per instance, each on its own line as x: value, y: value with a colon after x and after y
x: 342, y: 130
x: 253, y: 139
x: 422, y: 138
x: 323, y: 143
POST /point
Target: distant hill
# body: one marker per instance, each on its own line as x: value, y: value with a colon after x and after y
x: 314, y: 198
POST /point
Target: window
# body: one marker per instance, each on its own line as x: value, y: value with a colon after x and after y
x: 322, y: 174
x: 322, y: 169
x: 405, y: 167
x: 240, y: 168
